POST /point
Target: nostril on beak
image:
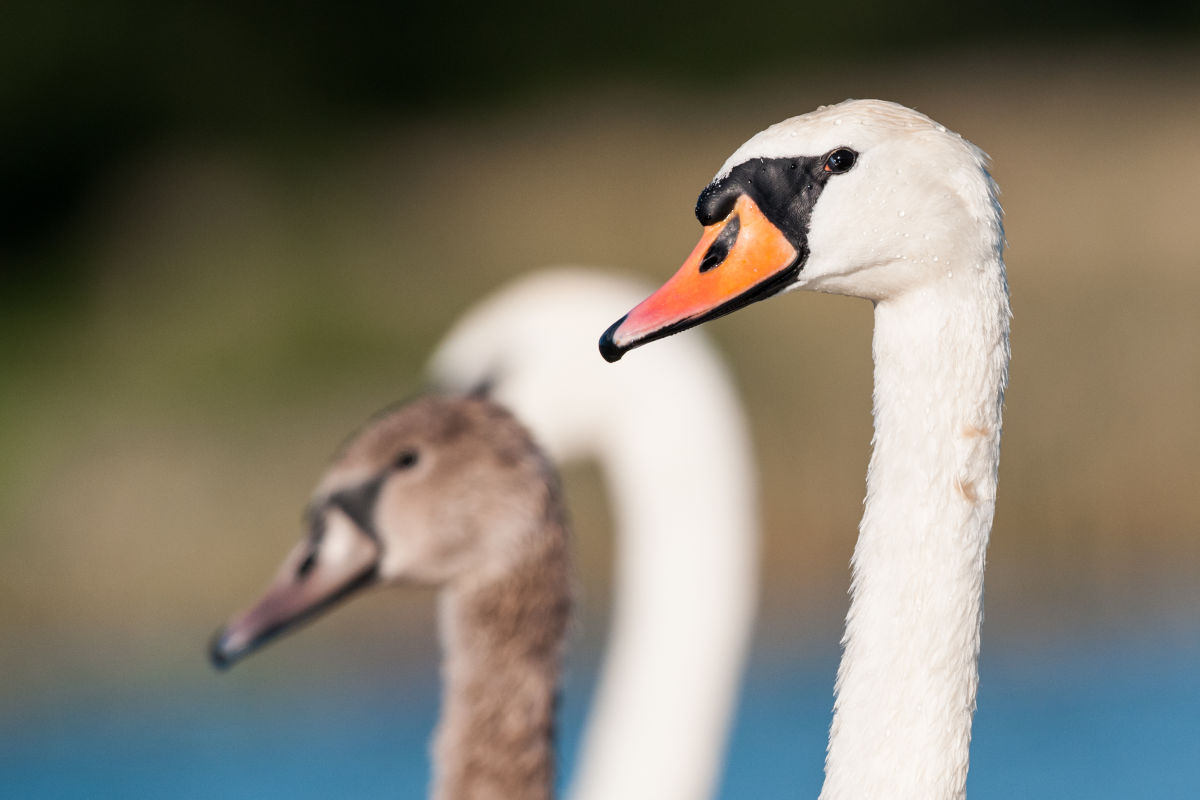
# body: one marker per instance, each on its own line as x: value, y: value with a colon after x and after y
x: 712, y: 260
x: 306, y: 565
x: 718, y: 251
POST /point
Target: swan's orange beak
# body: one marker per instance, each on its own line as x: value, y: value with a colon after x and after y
x: 738, y: 260
x: 320, y: 571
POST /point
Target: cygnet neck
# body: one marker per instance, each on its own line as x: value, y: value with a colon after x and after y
x: 503, y: 636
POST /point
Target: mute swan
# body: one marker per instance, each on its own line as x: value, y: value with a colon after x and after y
x: 451, y: 493
x: 670, y: 434
x: 872, y: 199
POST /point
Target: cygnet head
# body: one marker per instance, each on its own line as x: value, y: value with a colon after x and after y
x: 441, y: 491
x: 865, y: 198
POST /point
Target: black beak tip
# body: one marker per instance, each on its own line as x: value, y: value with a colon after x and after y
x: 221, y: 658
x: 611, y: 351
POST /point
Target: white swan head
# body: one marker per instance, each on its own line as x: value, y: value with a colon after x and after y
x: 439, y: 490
x: 865, y: 198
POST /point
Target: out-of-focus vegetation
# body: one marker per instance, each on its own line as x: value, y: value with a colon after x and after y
x: 230, y: 235
x: 85, y: 86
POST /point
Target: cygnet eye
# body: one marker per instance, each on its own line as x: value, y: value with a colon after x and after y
x: 406, y: 460
x: 840, y: 160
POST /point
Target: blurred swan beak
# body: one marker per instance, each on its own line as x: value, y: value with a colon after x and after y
x: 334, y: 561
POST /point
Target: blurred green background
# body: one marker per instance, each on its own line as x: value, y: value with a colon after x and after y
x: 230, y: 232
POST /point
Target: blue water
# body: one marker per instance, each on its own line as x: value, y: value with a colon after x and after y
x: 1115, y: 720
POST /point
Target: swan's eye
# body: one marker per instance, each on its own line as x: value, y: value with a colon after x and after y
x: 405, y: 460
x: 840, y: 160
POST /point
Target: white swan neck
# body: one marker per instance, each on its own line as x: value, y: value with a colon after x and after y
x: 907, y: 681
x: 676, y: 460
